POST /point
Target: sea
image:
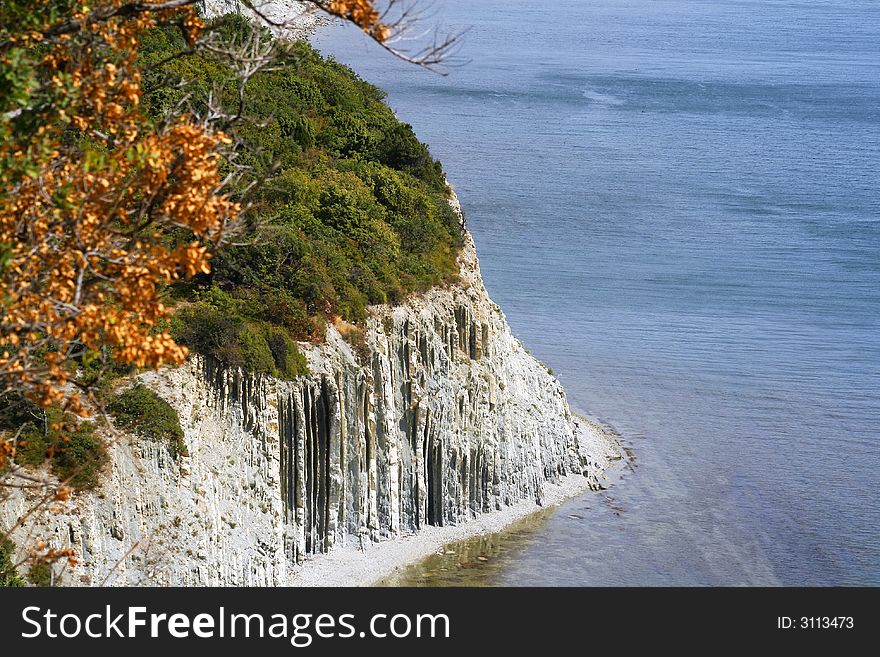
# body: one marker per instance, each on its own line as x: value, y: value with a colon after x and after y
x: 676, y: 204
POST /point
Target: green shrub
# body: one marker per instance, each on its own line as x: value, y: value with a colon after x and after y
x: 33, y: 446
x: 9, y: 578
x: 74, y: 453
x: 40, y: 574
x: 142, y: 411
x: 301, y: 130
x: 401, y: 150
x: 285, y: 310
x: 289, y: 360
x: 80, y: 460
x: 232, y: 336
x: 254, y: 349
x: 15, y: 411
x: 205, y: 329
x: 99, y: 370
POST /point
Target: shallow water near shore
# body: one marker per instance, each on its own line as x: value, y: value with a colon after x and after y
x: 476, y: 561
x: 676, y: 205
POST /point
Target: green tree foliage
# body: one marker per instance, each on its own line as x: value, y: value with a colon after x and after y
x: 351, y: 209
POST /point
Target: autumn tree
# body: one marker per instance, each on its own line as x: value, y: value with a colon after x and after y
x: 102, y: 206
x: 90, y: 188
x: 99, y: 209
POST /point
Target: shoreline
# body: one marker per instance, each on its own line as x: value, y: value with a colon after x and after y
x: 367, y: 565
x: 351, y: 565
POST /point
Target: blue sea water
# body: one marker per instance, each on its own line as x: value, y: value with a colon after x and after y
x: 676, y: 204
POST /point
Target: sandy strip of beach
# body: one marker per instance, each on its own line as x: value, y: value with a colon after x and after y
x: 350, y: 566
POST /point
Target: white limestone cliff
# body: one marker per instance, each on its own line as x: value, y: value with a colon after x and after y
x: 445, y: 418
x: 286, y: 18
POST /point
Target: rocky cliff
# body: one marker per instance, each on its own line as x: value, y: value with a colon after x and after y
x: 286, y: 18
x: 439, y: 416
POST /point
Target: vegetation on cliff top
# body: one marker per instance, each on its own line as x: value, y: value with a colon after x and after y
x: 350, y: 208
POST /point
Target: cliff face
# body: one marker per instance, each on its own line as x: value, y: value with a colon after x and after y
x: 441, y: 416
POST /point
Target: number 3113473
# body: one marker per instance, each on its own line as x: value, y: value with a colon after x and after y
x: 815, y: 623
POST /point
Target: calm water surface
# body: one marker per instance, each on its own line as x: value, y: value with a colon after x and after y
x: 676, y: 204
